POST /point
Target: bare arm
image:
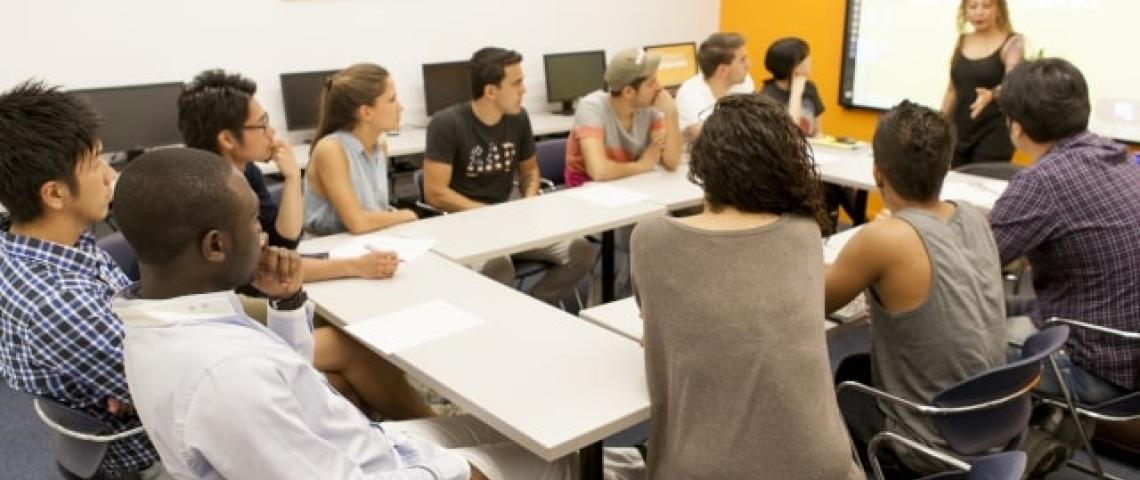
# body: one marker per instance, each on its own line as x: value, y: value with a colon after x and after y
x: 601, y: 168
x: 671, y: 145
x: 948, y: 100
x: 437, y: 188
x: 374, y: 265
x: 529, y: 177
x: 329, y: 174
x: 290, y: 212
x: 692, y: 132
x: 859, y: 265
x: 796, y: 98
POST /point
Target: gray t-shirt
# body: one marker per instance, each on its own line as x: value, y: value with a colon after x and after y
x: 959, y: 332
x: 595, y: 118
x: 735, y: 353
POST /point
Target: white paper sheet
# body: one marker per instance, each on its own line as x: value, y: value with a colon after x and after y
x: 608, y: 195
x: 408, y: 249
x: 834, y: 244
x: 974, y: 193
x: 413, y: 326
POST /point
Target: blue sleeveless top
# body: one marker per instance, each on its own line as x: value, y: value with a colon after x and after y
x: 368, y: 173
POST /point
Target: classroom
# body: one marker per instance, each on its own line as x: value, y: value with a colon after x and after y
x: 334, y: 239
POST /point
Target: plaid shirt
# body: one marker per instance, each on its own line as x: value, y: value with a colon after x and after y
x: 1076, y: 216
x: 59, y: 338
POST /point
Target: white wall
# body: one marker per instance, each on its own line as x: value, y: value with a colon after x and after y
x: 86, y: 44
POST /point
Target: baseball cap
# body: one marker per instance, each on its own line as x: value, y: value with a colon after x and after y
x: 628, y: 66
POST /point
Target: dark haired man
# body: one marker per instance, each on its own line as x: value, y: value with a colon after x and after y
x: 1073, y: 214
x: 59, y: 339
x: 218, y: 112
x: 227, y: 397
x: 627, y: 129
x: 476, y: 150
x: 724, y: 70
x: 932, y: 279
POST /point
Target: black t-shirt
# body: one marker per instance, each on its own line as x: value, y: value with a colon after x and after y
x: 812, y: 105
x: 267, y: 209
x: 484, y: 159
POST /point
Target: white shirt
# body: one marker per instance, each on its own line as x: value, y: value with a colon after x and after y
x: 695, y: 99
x: 222, y: 396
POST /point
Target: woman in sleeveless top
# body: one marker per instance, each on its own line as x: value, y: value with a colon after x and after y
x: 980, y: 61
x: 346, y: 186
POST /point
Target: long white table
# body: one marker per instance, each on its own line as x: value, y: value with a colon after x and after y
x: 673, y: 190
x: 543, y: 378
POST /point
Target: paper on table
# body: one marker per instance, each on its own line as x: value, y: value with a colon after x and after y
x: 976, y: 194
x: 608, y: 195
x: 413, y: 326
x: 834, y: 244
x: 408, y: 249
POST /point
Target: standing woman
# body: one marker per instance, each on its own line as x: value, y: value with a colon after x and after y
x: 980, y: 62
x: 346, y: 187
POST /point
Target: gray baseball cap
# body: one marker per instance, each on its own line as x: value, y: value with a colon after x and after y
x: 628, y: 66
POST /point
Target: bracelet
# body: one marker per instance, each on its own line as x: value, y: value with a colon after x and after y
x: 292, y: 302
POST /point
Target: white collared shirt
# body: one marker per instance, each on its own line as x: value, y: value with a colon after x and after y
x: 695, y: 99
x: 222, y: 396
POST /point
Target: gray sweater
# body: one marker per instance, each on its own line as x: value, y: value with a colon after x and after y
x: 735, y: 353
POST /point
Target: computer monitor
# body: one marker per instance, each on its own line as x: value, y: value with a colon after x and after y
x: 678, y: 62
x: 446, y: 84
x: 136, y: 117
x: 571, y: 75
x: 301, y: 93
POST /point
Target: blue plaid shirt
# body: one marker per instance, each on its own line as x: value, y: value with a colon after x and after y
x: 59, y: 338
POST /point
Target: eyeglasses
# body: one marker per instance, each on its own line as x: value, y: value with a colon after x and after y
x: 262, y: 124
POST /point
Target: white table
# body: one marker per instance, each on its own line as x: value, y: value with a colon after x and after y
x: 474, y: 236
x: 673, y: 190
x: 544, y: 379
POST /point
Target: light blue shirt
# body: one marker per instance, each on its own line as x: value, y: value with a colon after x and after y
x: 368, y: 174
x: 222, y: 396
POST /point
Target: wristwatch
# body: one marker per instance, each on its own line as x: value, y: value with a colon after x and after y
x: 292, y: 302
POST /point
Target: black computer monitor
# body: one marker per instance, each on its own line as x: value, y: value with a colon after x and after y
x: 301, y: 93
x: 136, y: 117
x: 446, y: 84
x: 678, y: 62
x: 571, y: 75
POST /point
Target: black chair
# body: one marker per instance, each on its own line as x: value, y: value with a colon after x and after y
x: 552, y: 162
x: 79, y: 440
x: 124, y: 255
x: 1122, y: 409
x: 996, y: 170
x: 990, y: 410
x: 276, y: 189
x: 999, y: 466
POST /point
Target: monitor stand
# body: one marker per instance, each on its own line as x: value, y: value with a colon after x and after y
x: 567, y: 108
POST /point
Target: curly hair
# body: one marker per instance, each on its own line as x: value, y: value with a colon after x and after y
x: 913, y: 147
x: 751, y: 157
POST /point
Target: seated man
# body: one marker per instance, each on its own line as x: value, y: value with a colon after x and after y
x: 476, y: 150
x: 1073, y: 215
x: 218, y: 112
x: 724, y: 71
x: 932, y: 280
x: 226, y: 397
x: 58, y: 337
x: 627, y: 129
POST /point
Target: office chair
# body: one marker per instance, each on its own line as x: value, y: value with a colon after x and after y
x: 1122, y: 409
x: 989, y: 410
x: 79, y: 440
x: 116, y: 245
x: 552, y: 162
x: 995, y: 170
x: 276, y: 189
x: 999, y: 466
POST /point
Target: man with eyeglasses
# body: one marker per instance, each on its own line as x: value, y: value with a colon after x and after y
x: 218, y: 112
x: 724, y: 71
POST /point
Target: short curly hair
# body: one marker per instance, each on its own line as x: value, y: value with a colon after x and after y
x: 751, y: 157
x: 913, y: 147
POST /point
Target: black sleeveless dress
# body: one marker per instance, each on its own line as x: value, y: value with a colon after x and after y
x: 986, y: 138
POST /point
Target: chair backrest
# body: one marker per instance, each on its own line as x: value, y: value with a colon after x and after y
x: 552, y: 160
x: 116, y: 245
x: 999, y: 466
x: 276, y: 189
x: 418, y: 179
x: 996, y: 425
x: 81, y: 458
x: 996, y: 170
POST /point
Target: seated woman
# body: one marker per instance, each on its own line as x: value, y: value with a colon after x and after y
x: 346, y: 186
x: 735, y: 353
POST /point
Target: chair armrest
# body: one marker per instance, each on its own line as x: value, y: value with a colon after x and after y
x: 883, y: 437
x: 426, y: 211
x: 1096, y: 328
x: 80, y: 435
x: 933, y: 410
x: 546, y: 186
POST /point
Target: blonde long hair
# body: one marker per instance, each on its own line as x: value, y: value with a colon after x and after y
x: 1003, y: 21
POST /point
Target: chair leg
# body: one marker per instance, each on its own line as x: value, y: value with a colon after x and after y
x: 1076, y: 418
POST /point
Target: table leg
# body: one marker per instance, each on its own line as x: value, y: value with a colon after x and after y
x: 590, y: 462
x: 608, y: 274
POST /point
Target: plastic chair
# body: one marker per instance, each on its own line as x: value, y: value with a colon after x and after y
x: 999, y: 466
x: 552, y: 162
x: 989, y: 410
x: 79, y: 440
x: 1122, y: 409
x: 124, y: 255
x: 996, y: 170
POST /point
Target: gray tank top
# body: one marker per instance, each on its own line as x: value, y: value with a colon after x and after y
x: 958, y: 332
x: 368, y: 173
